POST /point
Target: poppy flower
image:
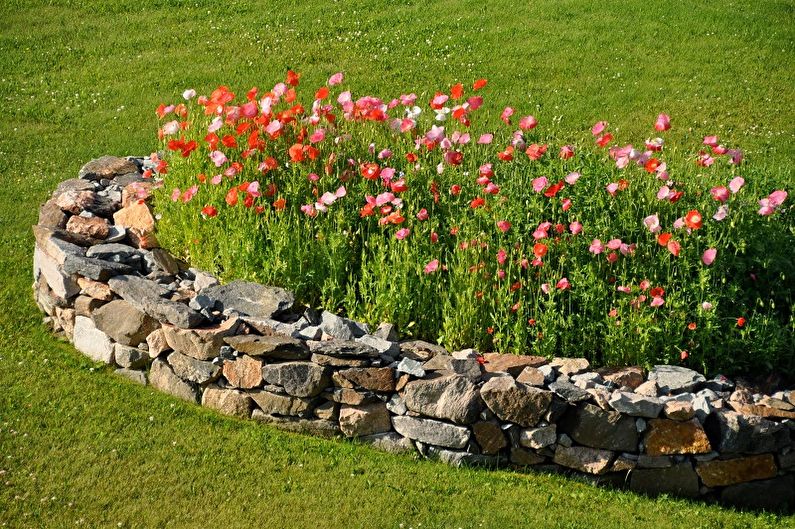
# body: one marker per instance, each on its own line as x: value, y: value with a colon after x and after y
x: 540, y: 249
x: 209, y: 211
x: 402, y: 233
x: 598, y: 128
x: 370, y: 171
x: 528, y: 123
x: 566, y: 152
x: 503, y: 225
x: 693, y: 219
x: 480, y: 83
x: 663, y: 123
x: 431, y: 267
x: 563, y: 284
x: 604, y: 140
x: 741, y: 322
x: 708, y: 257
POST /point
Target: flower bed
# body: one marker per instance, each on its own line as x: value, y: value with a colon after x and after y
x: 487, y: 234
x: 251, y: 351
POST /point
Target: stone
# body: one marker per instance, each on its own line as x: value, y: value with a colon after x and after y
x: 201, y: 344
x: 380, y: 379
x: 243, y: 372
x: 515, y: 402
x: 332, y: 361
x: 762, y: 411
x: 163, y: 378
x: 489, y: 436
x: 96, y: 227
x: 396, y: 405
x: 227, y: 401
x: 368, y: 419
x: 337, y: 326
x: 317, y: 427
x: 510, y: 363
x: 458, y: 459
x: 538, y: 437
x: 388, y: 332
x: 679, y: 410
x: 51, y: 215
x: 327, y: 410
x: 136, y: 216
x: 96, y: 269
x: 62, y: 285
x: 630, y: 377
x: 648, y: 389
x: 157, y: 343
x: 600, y: 396
x: 635, y: 405
x: 411, y: 367
x: 431, y: 431
x: 344, y: 349
x: 139, y: 377
x: 679, y: 480
x: 275, y: 404
x: 420, y: 350
x: 390, y: 442
x: 448, y: 365
x: 452, y: 397
x: 299, y: 379
x: 570, y: 366
x: 192, y: 370
x: 92, y: 342
x: 623, y: 464
x: 666, y: 437
x: 350, y: 396
x: 123, y: 322
x: 383, y: 347
x: 676, y: 379
x: 94, y: 289
x: 591, y: 426
x: 114, y: 252
x: 523, y: 457
x: 130, y: 357
x: 787, y: 461
x: 85, y: 306
x: 251, y: 299
x: 584, y: 459
x: 107, y: 167
x: 723, y: 472
x: 647, y: 461
x: 273, y: 347
x: 144, y: 295
x: 772, y: 494
x: 569, y: 392
x: 532, y: 376
x: 66, y: 319
x: 732, y: 433
x: 164, y: 261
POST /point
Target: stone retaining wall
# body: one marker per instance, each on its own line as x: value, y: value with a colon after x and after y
x: 250, y: 351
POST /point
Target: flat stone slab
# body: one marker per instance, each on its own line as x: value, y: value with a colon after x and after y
x: 144, y: 294
x: 453, y: 397
x: 515, y: 402
x: 431, y: 431
x: 251, y: 299
x: 591, y: 426
x: 269, y: 347
x: 676, y: 379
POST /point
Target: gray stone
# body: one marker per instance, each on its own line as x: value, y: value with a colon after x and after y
x: 344, y: 349
x: 202, y: 344
x: 680, y: 480
x: 570, y: 366
x: 635, y: 405
x: 144, y: 294
x: 349, y: 396
x: 515, y: 402
x: 156, y: 343
x: 107, y: 167
x: 96, y: 269
x: 201, y: 302
x: 647, y: 461
x: 130, y: 357
x: 447, y: 365
x: 275, y: 404
x: 299, y: 379
x: 139, y: 377
x: 332, y: 361
x: 771, y: 494
x: 461, y: 459
x: 420, y: 350
x: 317, y: 427
x: 327, y: 410
x: 114, y: 252
x: 569, y: 392
x: 380, y: 379
x: 203, y: 280
x: 648, y: 389
x: 62, y: 285
x: 251, y: 299
x: 227, y: 401
x: 396, y: 405
x: 368, y: 419
x: 676, y: 379
x: 584, y: 459
x: 411, y: 367
x: 274, y: 347
x: 383, y: 347
x: 431, y: 431
x: 336, y: 326
x: 538, y: 437
x: 390, y: 442
x: 92, y: 342
x: 594, y: 427
x: 188, y: 368
x: 388, y: 332
x: 523, y: 457
x: 163, y: 378
x: 123, y: 322
x: 453, y: 397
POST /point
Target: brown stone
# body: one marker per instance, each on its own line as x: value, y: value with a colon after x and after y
x: 51, y: 215
x: 275, y: 346
x: 66, y: 319
x: 722, y: 472
x: 588, y: 460
x: 420, y: 350
x: 372, y: 378
x: 778, y: 404
x: 243, y: 372
x: 679, y: 480
x: 165, y: 261
x: 142, y: 240
x: 227, y: 401
x: 648, y: 389
x: 94, y: 289
x: 123, y: 322
x: 95, y: 227
x: 509, y: 363
x: 631, y: 377
x: 358, y: 421
x: 679, y: 410
x: 515, y: 402
x: 328, y: 411
x: 75, y: 201
x: 136, y: 216
x: 623, y: 464
x: 201, y: 344
x: 524, y: 457
x: 570, y: 366
x: 157, y: 343
x: 532, y: 376
x: 332, y: 361
x: 107, y: 167
x: 275, y: 404
x: 85, y: 305
x: 489, y: 436
x: 162, y: 377
x: 135, y: 191
x: 402, y: 381
x: 349, y: 396
x: 667, y: 437
x: 761, y: 411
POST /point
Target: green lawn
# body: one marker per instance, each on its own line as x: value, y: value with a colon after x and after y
x: 80, y: 447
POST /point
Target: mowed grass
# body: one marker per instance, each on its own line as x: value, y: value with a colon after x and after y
x: 80, y: 447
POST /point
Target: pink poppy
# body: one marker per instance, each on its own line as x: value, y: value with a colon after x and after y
x: 652, y: 222
x: 563, y: 284
x: 721, y: 213
x: 317, y: 136
x: 575, y: 227
x: 422, y: 214
x: 572, y: 178
x: 528, y: 123
x: 566, y: 152
x: 431, y: 267
x: 596, y: 247
x: 712, y: 141
x: 218, y: 158
x: 485, y: 139
x: 336, y: 79
x: 709, y: 256
x: 545, y: 288
x: 657, y: 301
x: 663, y: 123
x: 736, y: 184
x: 402, y: 233
x: 175, y: 194
x: 612, y: 188
x: 624, y: 289
x: 598, y: 128
x: 506, y: 115
x: 503, y: 225
x: 540, y: 183
x: 720, y: 193
x: 614, y: 244
x: 501, y: 256
x: 566, y: 204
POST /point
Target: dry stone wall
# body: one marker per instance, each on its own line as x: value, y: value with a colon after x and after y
x: 250, y: 351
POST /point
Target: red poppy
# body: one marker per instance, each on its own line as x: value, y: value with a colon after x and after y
x: 292, y: 78
x: 741, y: 322
x: 209, y: 211
x: 480, y: 83
x: 540, y: 250
x: 370, y: 171
x: 693, y: 219
x: 457, y: 91
x: 322, y: 93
